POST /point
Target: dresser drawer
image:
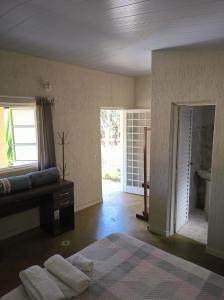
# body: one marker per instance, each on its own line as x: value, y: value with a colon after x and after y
x: 63, y: 198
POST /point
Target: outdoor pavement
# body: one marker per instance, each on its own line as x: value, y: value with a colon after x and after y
x: 110, y: 187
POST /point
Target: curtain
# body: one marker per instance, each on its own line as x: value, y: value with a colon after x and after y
x: 46, y: 145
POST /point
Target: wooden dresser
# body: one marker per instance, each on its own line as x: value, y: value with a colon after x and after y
x: 57, y: 213
x: 56, y: 203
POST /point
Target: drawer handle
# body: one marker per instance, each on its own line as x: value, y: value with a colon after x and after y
x: 65, y: 194
x: 65, y: 202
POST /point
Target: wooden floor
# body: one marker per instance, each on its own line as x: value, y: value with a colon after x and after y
x: 116, y: 214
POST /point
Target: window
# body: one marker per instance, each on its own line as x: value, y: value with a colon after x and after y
x: 18, y: 136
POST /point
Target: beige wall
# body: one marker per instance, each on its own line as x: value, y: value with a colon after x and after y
x: 79, y: 95
x: 186, y: 76
x: 143, y: 91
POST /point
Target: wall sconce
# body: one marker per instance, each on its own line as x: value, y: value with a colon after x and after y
x: 46, y: 86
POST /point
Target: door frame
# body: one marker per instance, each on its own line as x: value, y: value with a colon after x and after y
x: 174, y: 155
x: 121, y: 109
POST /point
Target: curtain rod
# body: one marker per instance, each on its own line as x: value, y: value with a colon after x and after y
x: 25, y: 98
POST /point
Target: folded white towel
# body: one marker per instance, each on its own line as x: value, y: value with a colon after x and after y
x: 81, y: 262
x: 66, y: 290
x: 67, y: 273
x: 39, y: 286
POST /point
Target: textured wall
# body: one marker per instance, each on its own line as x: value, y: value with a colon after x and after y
x: 186, y: 76
x: 79, y: 95
x: 143, y: 89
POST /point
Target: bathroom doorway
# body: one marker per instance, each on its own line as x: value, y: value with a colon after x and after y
x: 193, y: 165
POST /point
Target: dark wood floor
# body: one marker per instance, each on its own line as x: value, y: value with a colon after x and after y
x: 116, y: 214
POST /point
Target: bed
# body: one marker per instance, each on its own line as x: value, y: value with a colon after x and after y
x: 126, y: 268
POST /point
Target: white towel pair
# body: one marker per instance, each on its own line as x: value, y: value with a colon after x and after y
x: 39, y: 286
x: 60, y: 280
x: 67, y: 273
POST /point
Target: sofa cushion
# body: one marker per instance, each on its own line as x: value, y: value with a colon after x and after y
x: 15, y: 184
x: 44, y: 177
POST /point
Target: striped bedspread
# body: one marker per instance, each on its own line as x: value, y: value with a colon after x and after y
x: 126, y: 268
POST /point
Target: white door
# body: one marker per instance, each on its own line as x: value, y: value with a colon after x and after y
x: 183, y: 166
x: 134, y: 123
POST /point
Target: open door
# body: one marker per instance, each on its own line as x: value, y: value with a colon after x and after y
x: 111, y: 129
x: 183, y: 166
x: 134, y: 123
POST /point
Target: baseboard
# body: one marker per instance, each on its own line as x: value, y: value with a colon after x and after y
x: 86, y: 205
x: 215, y: 252
x: 159, y: 231
x: 17, y: 231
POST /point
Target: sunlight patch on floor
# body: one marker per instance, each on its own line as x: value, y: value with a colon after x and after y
x: 110, y: 187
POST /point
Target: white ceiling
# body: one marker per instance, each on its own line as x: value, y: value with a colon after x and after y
x: 109, y: 35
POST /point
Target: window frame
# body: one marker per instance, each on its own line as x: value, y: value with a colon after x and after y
x: 24, y: 126
x: 33, y: 165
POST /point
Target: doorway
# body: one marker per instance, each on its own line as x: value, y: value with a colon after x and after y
x: 193, y: 145
x: 111, y: 127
